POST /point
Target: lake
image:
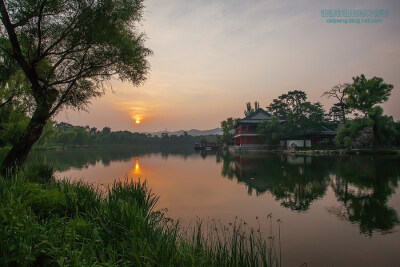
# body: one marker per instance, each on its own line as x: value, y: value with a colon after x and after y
x: 335, y: 210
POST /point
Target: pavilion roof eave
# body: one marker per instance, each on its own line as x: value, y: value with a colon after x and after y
x: 250, y: 121
x: 244, y: 121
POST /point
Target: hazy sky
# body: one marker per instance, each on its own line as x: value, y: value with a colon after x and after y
x: 210, y: 57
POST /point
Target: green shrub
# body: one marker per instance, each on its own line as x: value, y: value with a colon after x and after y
x: 39, y: 173
x: 47, y: 203
x: 67, y: 223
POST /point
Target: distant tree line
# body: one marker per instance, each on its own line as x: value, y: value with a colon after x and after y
x: 67, y: 135
x: 356, y: 115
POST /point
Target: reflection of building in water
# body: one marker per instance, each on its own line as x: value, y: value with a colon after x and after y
x: 205, y: 153
x: 296, y: 181
x: 362, y: 185
x: 295, y: 160
x: 261, y: 172
x: 254, y: 166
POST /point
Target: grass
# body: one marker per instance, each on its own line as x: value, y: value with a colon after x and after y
x: 316, y: 148
x: 47, y: 222
x: 363, y: 151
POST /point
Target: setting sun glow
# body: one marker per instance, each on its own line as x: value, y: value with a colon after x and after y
x: 137, y: 115
x: 137, y: 166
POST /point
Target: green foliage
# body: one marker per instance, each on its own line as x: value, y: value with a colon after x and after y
x: 45, y: 203
x: 337, y: 114
x: 362, y: 95
x: 397, y: 135
x: 64, y: 223
x: 227, y: 130
x: 278, y: 108
x: 75, y: 45
x: 249, y: 109
x: 288, y: 105
x: 67, y: 135
x: 64, y: 53
x: 271, y: 131
x: 106, y: 130
x: 376, y: 130
x: 311, y: 115
x: 355, y: 133
x: 14, y: 88
x: 12, y: 125
x: 298, y: 113
x: 365, y: 93
x: 49, y: 132
x: 38, y: 172
x: 384, y: 127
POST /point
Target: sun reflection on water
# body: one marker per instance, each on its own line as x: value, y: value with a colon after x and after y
x: 136, y: 169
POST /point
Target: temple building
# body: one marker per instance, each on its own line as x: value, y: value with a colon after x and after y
x: 246, y: 129
x: 247, y: 138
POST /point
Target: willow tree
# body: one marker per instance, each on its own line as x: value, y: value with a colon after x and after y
x: 67, y: 50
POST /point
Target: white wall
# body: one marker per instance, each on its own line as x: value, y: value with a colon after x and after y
x: 298, y: 143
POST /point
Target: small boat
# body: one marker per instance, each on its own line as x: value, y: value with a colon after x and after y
x: 207, y: 146
x: 198, y: 147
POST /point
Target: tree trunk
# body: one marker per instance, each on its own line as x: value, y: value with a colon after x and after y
x: 19, y: 152
x: 377, y: 144
x: 343, y: 114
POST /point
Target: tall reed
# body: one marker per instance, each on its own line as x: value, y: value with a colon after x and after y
x: 49, y: 222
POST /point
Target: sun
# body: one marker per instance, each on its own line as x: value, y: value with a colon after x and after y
x: 137, y: 121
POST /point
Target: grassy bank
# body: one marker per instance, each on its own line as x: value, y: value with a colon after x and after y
x: 366, y: 151
x: 50, y: 147
x: 49, y: 222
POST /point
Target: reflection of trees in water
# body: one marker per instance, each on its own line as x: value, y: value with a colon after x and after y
x: 299, y: 195
x: 79, y: 158
x: 294, y: 181
x: 361, y: 184
x: 228, y: 169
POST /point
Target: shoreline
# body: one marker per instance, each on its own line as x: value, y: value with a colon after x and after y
x: 311, y: 151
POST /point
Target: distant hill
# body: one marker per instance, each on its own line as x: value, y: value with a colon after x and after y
x: 192, y: 132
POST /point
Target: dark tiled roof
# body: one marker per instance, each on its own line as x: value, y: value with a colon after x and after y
x: 320, y: 130
x: 257, y: 112
x: 256, y: 117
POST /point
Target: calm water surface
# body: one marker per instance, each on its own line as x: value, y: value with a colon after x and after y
x: 335, y: 210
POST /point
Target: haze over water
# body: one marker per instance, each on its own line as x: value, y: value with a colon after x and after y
x: 335, y: 210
